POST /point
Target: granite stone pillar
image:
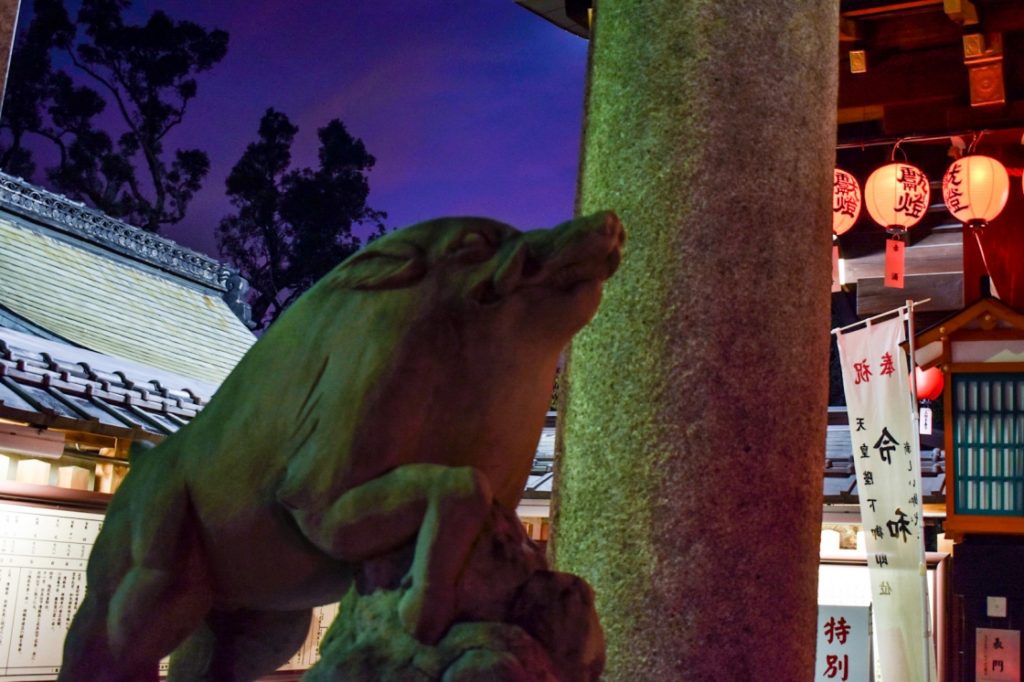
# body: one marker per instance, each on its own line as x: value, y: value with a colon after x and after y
x: 689, y: 482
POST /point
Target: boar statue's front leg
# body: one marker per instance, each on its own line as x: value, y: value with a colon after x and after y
x: 444, y: 507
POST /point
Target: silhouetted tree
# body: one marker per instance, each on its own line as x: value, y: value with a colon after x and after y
x: 146, y: 73
x: 293, y: 226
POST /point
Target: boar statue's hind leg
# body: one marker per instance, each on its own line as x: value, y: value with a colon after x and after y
x: 442, y: 507
x: 88, y: 656
x: 124, y: 627
x: 148, y: 583
x: 239, y: 646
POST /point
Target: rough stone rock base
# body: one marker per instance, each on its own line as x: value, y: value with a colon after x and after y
x: 516, y: 621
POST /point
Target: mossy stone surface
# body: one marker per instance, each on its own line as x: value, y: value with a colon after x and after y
x: 688, y: 491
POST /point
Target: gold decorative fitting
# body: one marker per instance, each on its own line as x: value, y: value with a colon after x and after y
x: 961, y: 11
x: 858, y: 61
x: 974, y: 45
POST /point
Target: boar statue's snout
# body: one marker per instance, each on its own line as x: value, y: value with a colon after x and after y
x: 610, y: 227
x: 587, y: 249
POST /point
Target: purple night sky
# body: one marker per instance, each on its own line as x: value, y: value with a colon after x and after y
x: 470, y: 108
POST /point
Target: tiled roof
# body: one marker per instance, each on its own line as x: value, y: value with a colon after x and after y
x: 538, y: 485
x: 52, y: 384
x: 74, y: 218
x: 45, y: 383
x: 78, y: 287
x: 841, y: 480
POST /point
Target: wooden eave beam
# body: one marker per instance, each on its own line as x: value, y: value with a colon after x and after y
x: 937, y: 117
x: 48, y: 420
x: 1000, y: 16
x: 909, y: 32
x: 906, y: 77
x: 872, y: 8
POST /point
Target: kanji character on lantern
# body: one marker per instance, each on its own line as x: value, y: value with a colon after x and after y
x: 846, y: 201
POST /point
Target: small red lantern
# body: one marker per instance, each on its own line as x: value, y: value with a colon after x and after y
x: 897, y: 197
x: 929, y: 383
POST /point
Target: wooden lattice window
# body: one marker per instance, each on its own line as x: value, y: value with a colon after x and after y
x: 988, y: 439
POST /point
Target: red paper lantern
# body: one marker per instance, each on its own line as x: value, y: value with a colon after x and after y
x: 846, y: 201
x: 897, y: 196
x: 929, y: 383
x: 975, y: 189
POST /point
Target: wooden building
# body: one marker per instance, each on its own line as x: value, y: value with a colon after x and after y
x: 108, y: 335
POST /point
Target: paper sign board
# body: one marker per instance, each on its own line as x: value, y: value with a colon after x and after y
x: 997, y: 657
x: 844, y: 644
x: 43, y: 557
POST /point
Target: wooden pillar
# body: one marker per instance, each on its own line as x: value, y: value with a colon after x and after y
x: 690, y: 479
x: 8, y: 24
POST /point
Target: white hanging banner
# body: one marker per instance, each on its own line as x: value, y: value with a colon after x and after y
x: 886, y: 455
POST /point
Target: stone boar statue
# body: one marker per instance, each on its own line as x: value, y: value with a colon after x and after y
x: 394, y: 402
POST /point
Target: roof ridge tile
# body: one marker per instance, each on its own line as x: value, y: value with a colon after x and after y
x: 75, y: 218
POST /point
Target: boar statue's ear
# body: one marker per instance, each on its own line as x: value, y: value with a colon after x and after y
x: 387, y: 266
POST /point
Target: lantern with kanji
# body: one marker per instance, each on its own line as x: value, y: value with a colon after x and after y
x: 896, y: 197
x: 846, y: 203
x: 975, y: 189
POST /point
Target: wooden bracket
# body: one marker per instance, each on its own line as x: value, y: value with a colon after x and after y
x: 580, y: 11
x: 848, y: 30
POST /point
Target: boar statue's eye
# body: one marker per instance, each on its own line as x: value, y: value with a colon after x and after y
x: 472, y: 247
